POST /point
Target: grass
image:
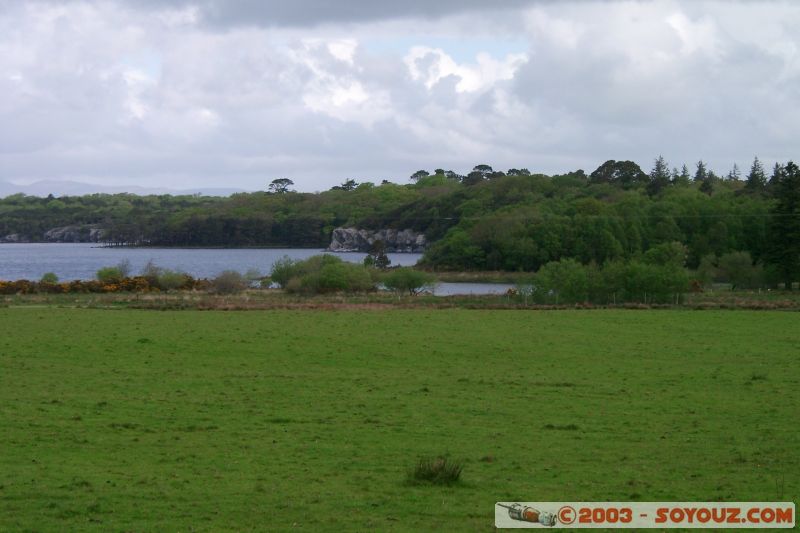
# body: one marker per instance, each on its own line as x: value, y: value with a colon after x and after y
x: 132, y: 420
x: 436, y: 471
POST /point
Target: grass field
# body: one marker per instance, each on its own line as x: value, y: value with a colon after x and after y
x: 132, y: 420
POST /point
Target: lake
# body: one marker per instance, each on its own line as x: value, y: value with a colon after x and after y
x: 82, y: 261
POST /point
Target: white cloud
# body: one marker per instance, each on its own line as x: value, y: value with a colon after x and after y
x: 148, y: 94
x: 430, y: 65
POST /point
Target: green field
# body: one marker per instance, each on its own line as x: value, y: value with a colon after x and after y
x: 132, y: 420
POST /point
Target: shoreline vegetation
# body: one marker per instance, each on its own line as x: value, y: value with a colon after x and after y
x: 270, y: 299
x: 658, y: 281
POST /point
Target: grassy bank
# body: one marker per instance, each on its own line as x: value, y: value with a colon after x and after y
x: 265, y: 299
x: 180, y: 421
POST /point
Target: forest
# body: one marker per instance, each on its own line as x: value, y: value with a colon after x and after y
x: 511, y: 220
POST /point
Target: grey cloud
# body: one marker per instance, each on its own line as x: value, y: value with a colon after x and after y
x: 312, y: 12
x: 242, y: 106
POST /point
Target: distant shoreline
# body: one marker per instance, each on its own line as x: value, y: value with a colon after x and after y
x: 184, y: 247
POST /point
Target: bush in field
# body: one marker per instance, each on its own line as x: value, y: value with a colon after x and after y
x: 254, y: 278
x: 109, y: 275
x: 321, y: 274
x: 229, y: 282
x: 282, y: 271
x: 563, y: 281
x: 567, y: 282
x: 407, y: 280
x: 436, y: 471
x: 124, y: 268
x: 170, y: 280
x: 337, y: 277
x: 165, y: 279
x: 49, y: 277
x: 653, y: 283
x: 151, y: 271
x: 707, y: 272
x: 737, y: 268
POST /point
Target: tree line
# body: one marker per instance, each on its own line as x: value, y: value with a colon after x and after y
x: 484, y: 220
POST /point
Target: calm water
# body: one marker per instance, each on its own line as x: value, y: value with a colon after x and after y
x: 82, y: 261
x: 449, y: 289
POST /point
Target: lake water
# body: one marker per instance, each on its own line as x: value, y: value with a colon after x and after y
x: 450, y: 289
x: 82, y: 261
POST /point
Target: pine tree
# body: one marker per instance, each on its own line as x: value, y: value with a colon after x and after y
x: 701, y: 173
x: 777, y: 172
x: 681, y: 178
x: 784, y: 250
x: 756, y: 180
x: 735, y: 174
x: 659, y: 176
x: 707, y: 185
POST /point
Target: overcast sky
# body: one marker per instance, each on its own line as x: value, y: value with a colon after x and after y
x: 223, y: 93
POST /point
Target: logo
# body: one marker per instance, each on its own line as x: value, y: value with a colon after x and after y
x: 642, y: 515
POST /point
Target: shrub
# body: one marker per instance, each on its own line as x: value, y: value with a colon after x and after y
x: 282, y: 271
x: 321, y: 274
x: 109, y: 275
x: 337, y: 277
x: 737, y: 268
x: 229, y: 282
x: 124, y: 268
x: 134, y: 284
x: 254, y: 278
x: 707, y: 271
x: 563, y: 281
x: 151, y: 272
x: 50, y: 278
x: 437, y: 471
x: 170, y: 280
x: 407, y: 280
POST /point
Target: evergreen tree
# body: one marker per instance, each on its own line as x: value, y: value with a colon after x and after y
x: 659, y: 177
x: 707, y: 185
x: 683, y: 178
x: 701, y: 173
x: 756, y: 180
x: 784, y: 250
x: 777, y: 172
x: 735, y: 174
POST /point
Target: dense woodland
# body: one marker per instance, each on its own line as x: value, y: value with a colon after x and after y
x: 486, y: 220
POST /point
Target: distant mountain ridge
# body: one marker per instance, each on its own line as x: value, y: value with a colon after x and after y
x: 76, y: 188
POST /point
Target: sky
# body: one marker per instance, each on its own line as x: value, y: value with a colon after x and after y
x: 233, y: 94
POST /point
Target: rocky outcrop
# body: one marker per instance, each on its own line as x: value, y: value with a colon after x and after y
x: 14, y: 237
x: 361, y: 240
x: 86, y: 233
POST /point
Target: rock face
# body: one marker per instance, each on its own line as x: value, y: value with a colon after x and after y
x: 75, y: 234
x: 14, y: 237
x: 361, y: 240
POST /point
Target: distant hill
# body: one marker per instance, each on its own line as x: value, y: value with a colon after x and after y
x: 75, y: 188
